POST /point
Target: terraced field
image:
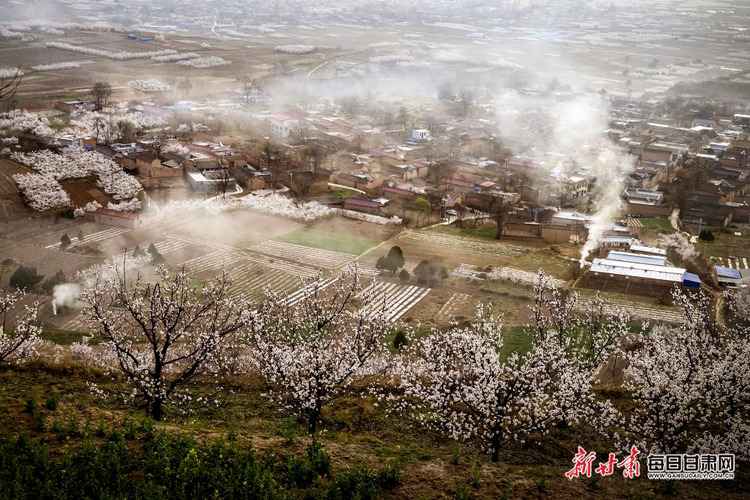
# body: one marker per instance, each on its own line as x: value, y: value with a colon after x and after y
x: 464, y: 244
x: 7, y: 170
x: 93, y: 238
x: 399, y: 299
x: 652, y: 314
x: 315, y: 257
x: 452, y: 307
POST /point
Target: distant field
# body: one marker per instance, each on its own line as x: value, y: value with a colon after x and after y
x: 325, y: 240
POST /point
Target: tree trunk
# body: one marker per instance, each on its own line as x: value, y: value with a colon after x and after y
x: 156, y: 409
x: 495, y: 442
x: 313, y: 422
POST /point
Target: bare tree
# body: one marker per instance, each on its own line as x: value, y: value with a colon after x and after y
x: 302, y: 182
x: 313, y: 154
x: 162, y: 335
x: 224, y: 180
x: 101, y: 92
x: 185, y: 86
x: 440, y: 171
x: 9, y: 82
x: 274, y: 160
x: 466, y: 98
x: 247, y: 88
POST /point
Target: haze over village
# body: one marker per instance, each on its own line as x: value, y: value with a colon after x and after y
x: 302, y: 249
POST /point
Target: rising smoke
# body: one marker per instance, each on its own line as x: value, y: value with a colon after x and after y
x: 65, y: 295
x: 565, y: 131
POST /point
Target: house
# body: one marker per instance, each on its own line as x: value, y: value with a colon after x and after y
x: 645, y: 202
x: 75, y: 141
x: 146, y: 162
x: 664, y: 151
x: 248, y: 178
x: 362, y: 205
x: 211, y: 181
x: 71, y: 106
x: 606, y: 270
x: 566, y: 224
x: 392, y: 193
x: 727, y: 277
x: 357, y: 180
x: 284, y: 125
x: 420, y: 134
x: 710, y: 215
x: 114, y: 218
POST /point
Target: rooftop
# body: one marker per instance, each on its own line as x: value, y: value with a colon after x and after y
x: 632, y: 269
x: 635, y: 258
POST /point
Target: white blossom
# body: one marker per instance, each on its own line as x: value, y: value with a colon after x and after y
x: 24, y: 121
x: 116, y: 55
x: 57, y: 66
x: 294, y: 49
x: 19, y: 343
x: 152, y: 85
x: 43, y: 190
x: 204, y: 62
x: 679, y: 243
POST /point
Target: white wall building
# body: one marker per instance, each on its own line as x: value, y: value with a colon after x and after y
x: 283, y: 125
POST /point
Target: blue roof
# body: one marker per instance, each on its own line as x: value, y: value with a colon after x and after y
x: 728, y: 272
x: 691, y: 280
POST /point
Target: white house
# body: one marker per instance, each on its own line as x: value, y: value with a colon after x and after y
x: 283, y: 125
x: 420, y: 134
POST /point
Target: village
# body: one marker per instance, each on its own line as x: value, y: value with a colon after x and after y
x: 345, y: 189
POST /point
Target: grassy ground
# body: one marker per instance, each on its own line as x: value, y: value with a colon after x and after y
x: 725, y: 245
x: 315, y: 238
x: 482, y: 232
x: 515, y: 339
x: 355, y: 430
x: 656, y: 223
x: 552, y: 264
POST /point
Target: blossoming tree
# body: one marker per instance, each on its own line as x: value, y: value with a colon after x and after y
x: 690, y: 386
x: 578, y: 338
x: 458, y: 383
x: 313, y: 351
x: 19, y: 343
x: 163, y: 334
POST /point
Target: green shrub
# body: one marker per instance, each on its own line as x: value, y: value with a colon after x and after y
x: 25, y: 278
x: 51, y: 402
x: 541, y: 485
x: 358, y: 483
x: 390, y: 476
x: 304, y: 471
x: 73, y: 429
x: 288, y: 430
x: 59, y: 431
x: 706, y: 235
x: 461, y: 493
x: 400, y: 340
x: 30, y: 405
